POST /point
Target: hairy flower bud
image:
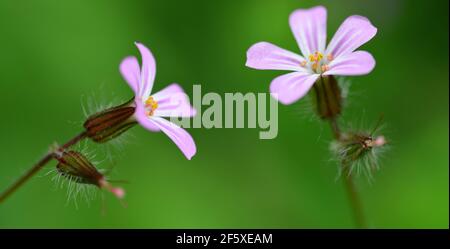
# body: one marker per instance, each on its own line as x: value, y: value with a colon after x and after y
x: 328, y: 98
x: 356, y: 150
x: 77, y: 168
x: 110, y: 123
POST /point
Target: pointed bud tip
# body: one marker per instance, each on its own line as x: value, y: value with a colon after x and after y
x: 380, y: 141
x: 118, y: 192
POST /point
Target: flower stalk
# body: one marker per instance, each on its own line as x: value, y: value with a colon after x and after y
x: 328, y: 100
x: 39, y: 165
x: 349, y: 184
x: 355, y: 200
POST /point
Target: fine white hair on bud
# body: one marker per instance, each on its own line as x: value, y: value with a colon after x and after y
x: 344, y: 84
x: 99, y: 100
x: 111, y: 149
x: 110, y: 123
x: 81, y: 177
x: 359, y: 151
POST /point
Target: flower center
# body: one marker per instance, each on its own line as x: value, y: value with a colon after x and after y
x: 150, y: 106
x: 317, y: 62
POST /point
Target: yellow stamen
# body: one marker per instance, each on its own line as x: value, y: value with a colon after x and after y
x: 319, y: 56
x: 303, y: 63
x: 317, y: 62
x: 152, y: 105
x: 316, y: 57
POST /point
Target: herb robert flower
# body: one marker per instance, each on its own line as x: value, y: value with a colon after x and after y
x: 148, y: 110
x: 338, y: 58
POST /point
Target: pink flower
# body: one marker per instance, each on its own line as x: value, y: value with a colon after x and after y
x: 338, y: 58
x: 151, y: 109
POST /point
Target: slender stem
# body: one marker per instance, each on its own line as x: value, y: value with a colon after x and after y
x: 349, y: 184
x: 335, y: 128
x: 39, y: 165
x: 354, y: 198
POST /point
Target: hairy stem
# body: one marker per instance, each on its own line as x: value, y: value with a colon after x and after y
x: 39, y: 165
x: 349, y: 184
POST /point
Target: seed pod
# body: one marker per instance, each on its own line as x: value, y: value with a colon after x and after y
x: 76, y: 167
x: 328, y: 98
x: 110, y: 123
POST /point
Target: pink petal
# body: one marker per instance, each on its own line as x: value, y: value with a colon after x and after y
x: 178, y: 135
x: 310, y: 29
x: 291, y: 87
x: 356, y: 63
x: 142, y: 117
x: 353, y: 32
x: 264, y: 55
x: 129, y: 68
x: 148, y: 71
x: 173, y: 102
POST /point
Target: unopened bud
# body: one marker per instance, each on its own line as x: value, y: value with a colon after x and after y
x: 359, y: 150
x: 328, y: 97
x: 76, y: 167
x: 110, y: 123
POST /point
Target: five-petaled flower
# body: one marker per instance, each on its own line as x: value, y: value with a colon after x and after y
x: 338, y: 58
x: 151, y: 109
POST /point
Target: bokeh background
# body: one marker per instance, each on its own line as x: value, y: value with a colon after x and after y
x: 59, y: 55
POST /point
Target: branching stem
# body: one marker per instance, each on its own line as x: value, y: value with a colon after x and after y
x: 39, y: 165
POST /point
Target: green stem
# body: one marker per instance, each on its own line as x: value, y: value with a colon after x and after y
x: 355, y: 201
x: 39, y: 165
x: 352, y: 192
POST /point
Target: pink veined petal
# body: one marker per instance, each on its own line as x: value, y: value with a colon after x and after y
x: 353, y: 33
x: 356, y: 63
x: 291, y: 87
x: 173, y: 102
x: 310, y: 29
x: 178, y: 135
x: 129, y: 68
x: 148, y: 71
x: 266, y: 56
x: 142, y: 117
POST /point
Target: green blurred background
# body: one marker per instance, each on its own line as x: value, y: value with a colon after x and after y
x: 55, y: 55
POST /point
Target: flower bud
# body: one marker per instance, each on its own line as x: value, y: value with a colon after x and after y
x: 358, y: 150
x: 110, y: 123
x: 76, y: 167
x: 328, y: 97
